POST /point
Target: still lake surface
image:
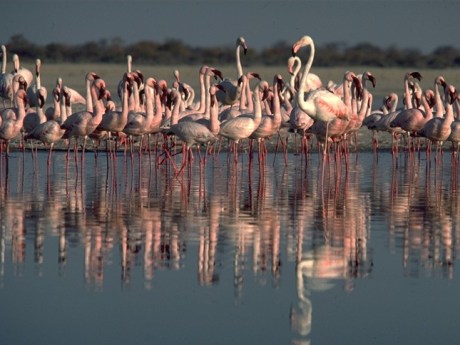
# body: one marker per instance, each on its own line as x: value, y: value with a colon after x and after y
x: 122, y: 252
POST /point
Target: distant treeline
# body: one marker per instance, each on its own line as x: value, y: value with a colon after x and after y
x: 174, y: 52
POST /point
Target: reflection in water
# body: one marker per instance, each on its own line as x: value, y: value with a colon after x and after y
x: 249, y: 216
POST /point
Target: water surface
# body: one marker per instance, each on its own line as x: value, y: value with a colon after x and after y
x: 122, y: 251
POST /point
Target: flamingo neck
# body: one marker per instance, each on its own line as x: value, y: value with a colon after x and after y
x: 439, y: 106
x: 89, y: 100
x: 3, y: 59
x: 304, y: 105
x: 239, y: 68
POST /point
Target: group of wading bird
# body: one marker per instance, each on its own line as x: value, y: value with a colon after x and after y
x: 227, y: 108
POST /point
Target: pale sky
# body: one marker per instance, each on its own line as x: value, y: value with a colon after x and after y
x: 424, y: 25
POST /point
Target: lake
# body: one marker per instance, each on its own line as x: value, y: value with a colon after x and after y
x: 119, y: 250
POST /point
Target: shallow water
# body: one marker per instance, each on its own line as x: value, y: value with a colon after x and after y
x: 124, y: 252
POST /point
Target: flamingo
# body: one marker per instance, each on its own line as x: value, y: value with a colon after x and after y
x: 233, y: 88
x: 313, y: 80
x: 11, y: 127
x: 139, y: 123
x: 269, y: 125
x: 50, y: 132
x: 438, y: 129
x: 439, y: 104
x: 413, y: 120
x: 6, y: 81
x: 319, y: 104
x: 241, y: 127
x: 115, y: 121
x: 32, y: 90
x: 33, y: 119
x: 54, y: 112
x: 190, y: 115
x: 26, y: 73
x: 189, y: 132
x: 83, y: 123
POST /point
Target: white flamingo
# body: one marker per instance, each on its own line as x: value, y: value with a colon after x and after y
x: 319, y: 104
x: 233, y: 87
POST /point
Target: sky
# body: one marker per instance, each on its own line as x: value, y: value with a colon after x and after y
x: 420, y: 24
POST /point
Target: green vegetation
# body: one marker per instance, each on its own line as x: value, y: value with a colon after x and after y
x: 174, y: 52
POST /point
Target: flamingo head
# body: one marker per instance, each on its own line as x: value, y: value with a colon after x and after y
x: 278, y: 81
x: 38, y: 64
x: 216, y: 73
x: 41, y: 96
x: 358, y: 86
x: 91, y: 76
x: 371, y: 78
x: 441, y: 81
x: 241, y: 42
x: 56, y: 94
x: 67, y: 94
x: 302, y: 42
x: 429, y: 96
x: 252, y: 75
x: 415, y: 75
x: 451, y: 94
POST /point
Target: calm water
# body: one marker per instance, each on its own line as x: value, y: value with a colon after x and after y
x: 121, y: 252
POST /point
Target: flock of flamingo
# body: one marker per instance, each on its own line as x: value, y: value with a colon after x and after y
x: 227, y: 108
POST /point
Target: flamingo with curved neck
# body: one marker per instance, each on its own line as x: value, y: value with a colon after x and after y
x: 233, y: 88
x: 321, y: 105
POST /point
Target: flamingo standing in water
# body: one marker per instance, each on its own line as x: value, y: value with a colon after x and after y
x: 140, y: 122
x: 83, y: 123
x: 50, y: 132
x: 11, y: 127
x: 269, y: 124
x: 189, y: 132
x: 115, y: 121
x: 319, y: 104
x: 241, y: 127
x: 233, y: 88
x: 438, y: 129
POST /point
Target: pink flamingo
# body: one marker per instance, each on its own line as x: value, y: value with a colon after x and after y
x: 438, y: 129
x: 241, y: 127
x: 269, y: 124
x: 320, y: 104
x: 454, y: 136
x: 18, y: 69
x: 139, y: 123
x: 115, y: 121
x: 83, y: 123
x: 50, y: 132
x: 189, y: 132
x: 11, y: 127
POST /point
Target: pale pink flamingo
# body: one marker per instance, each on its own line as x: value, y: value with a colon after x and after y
x: 438, y: 129
x: 83, y: 123
x: 26, y: 73
x: 54, y: 112
x: 414, y: 119
x: 320, y: 104
x: 18, y: 83
x: 191, y: 115
x: 115, y: 121
x: 189, y: 132
x: 11, y: 127
x: 241, y: 127
x: 439, y: 105
x: 6, y: 81
x: 32, y: 90
x: 50, y: 132
x: 139, y: 122
x: 313, y: 80
x: 269, y: 124
x: 233, y: 88
x: 34, y: 118
x: 370, y: 121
